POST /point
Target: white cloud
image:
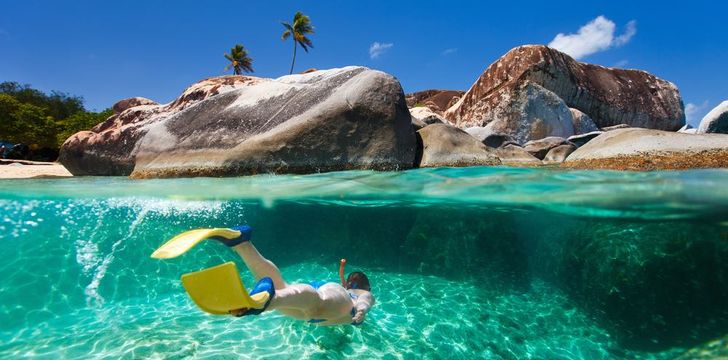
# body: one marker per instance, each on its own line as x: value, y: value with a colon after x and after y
x: 595, y: 36
x: 377, y: 49
x: 695, y: 112
x: 449, y: 51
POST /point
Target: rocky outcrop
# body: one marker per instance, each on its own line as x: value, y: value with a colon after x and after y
x: 125, y: 104
x: 581, y: 139
x: 608, y: 96
x: 514, y: 155
x: 582, y: 122
x: 490, y: 138
x: 558, y: 154
x: 348, y: 118
x: 445, y: 145
x: 716, y: 121
x: 426, y: 116
x: 643, y: 149
x: 536, y: 113
x: 437, y: 100
x: 539, y: 148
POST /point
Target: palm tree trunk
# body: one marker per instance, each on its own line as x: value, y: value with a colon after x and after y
x: 294, y: 56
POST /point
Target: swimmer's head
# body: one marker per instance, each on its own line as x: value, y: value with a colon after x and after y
x: 357, y: 280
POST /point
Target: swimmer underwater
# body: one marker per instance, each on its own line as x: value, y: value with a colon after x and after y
x: 319, y: 302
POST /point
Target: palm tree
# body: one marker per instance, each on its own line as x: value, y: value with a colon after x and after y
x: 301, y: 26
x: 239, y: 60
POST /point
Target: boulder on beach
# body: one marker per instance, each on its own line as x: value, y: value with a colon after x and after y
x: 338, y: 119
x: 559, y: 153
x: 644, y: 149
x: 539, y: 148
x: 445, y: 145
x: 581, y: 139
x: 608, y: 96
x: 514, y: 155
x: 716, y: 121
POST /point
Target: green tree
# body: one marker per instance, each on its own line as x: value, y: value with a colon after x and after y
x: 26, y: 123
x: 80, y: 121
x: 239, y: 60
x: 301, y: 26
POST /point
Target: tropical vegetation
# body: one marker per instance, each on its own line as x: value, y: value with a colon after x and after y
x: 239, y: 60
x: 298, y: 30
x: 40, y: 120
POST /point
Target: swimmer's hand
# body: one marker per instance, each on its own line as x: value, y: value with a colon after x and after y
x: 359, y: 317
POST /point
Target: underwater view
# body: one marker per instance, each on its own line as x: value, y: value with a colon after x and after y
x: 482, y: 262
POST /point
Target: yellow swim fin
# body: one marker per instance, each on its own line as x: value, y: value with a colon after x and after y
x: 179, y: 244
x: 218, y: 290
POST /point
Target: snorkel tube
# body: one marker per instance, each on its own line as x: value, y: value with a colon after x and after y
x: 342, y: 263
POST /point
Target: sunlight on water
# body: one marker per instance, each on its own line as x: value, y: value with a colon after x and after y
x: 464, y: 263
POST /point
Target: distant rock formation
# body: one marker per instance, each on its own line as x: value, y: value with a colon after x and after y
x: 716, y: 121
x: 644, y: 149
x: 607, y: 96
x: 437, y: 100
x: 348, y: 118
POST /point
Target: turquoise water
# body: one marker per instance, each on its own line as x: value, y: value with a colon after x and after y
x: 464, y: 263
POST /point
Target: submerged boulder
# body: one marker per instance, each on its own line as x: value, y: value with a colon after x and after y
x: 338, y: 119
x: 643, y: 149
x: 716, y: 121
x: 445, y: 145
x: 608, y: 96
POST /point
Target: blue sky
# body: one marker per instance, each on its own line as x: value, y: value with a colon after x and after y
x: 106, y: 51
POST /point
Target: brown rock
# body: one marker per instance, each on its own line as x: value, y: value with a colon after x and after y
x: 643, y: 149
x: 607, y: 96
x: 558, y: 154
x: 445, y: 145
x: 514, y: 155
x: 539, y: 148
x: 582, y: 122
x: 437, y: 100
x: 125, y: 104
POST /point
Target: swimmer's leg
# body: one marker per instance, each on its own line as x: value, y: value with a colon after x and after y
x: 260, y: 266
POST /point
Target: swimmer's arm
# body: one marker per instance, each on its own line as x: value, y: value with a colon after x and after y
x: 364, y: 302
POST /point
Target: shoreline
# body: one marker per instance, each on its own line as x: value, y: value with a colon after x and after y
x: 22, y: 169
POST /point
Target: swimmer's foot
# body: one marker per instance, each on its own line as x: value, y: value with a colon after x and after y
x: 246, y: 232
x: 264, y: 285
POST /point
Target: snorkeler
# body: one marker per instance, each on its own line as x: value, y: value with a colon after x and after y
x: 323, y: 303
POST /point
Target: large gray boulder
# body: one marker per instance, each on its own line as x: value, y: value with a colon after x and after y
x: 582, y: 122
x: 539, y: 148
x: 716, y: 121
x: 534, y: 113
x: 338, y: 119
x: 643, y: 149
x: 445, y: 145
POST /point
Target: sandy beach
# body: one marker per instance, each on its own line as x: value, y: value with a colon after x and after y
x: 19, y: 169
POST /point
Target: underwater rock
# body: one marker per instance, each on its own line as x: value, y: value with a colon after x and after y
x: 655, y: 285
x: 643, y: 149
x: 338, y: 119
x: 437, y: 100
x: 608, y: 96
x: 539, y: 148
x: 716, y: 121
x: 445, y: 145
